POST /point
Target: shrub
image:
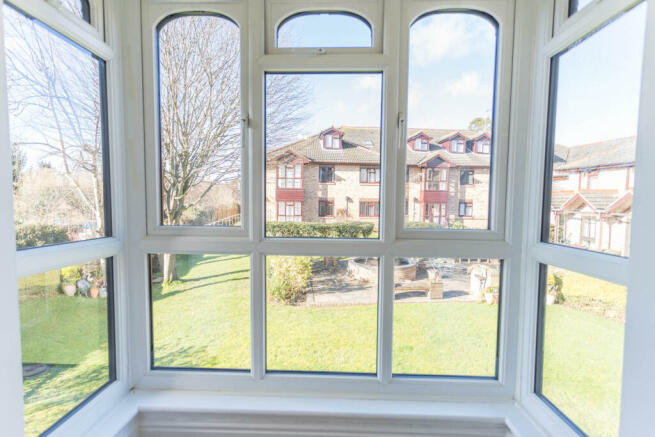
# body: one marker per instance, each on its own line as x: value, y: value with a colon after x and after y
x: 422, y: 225
x: 492, y: 290
x: 554, y: 285
x: 71, y: 274
x: 39, y: 235
x: 288, y: 277
x: 320, y: 230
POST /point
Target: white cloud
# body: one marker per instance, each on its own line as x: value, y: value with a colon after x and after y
x: 368, y: 82
x: 448, y: 36
x: 467, y: 84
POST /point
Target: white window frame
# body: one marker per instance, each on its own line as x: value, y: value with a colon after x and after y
x: 503, y: 13
x: 41, y: 259
x: 277, y: 11
x: 554, y: 33
x: 152, y: 14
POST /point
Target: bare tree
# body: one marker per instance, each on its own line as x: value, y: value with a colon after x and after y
x: 200, y: 112
x: 54, y: 100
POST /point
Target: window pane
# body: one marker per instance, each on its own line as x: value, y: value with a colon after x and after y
x: 200, y: 112
x: 592, y: 137
x: 577, y: 5
x: 67, y: 353
x: 581, y: 336
x: 321, y: 314
x: 57, y: 124
x: 200, y: 311
x: 452, y: 60
x: 79, y: 8
x: 316, y: 29
x: 445, y: 317
x: 297, y: 122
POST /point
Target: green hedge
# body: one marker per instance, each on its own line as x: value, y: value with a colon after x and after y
x: 39, y: 235
x: 429, y: 225
x: 322, y: 230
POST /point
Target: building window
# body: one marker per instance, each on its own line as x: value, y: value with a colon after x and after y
x: 483, y: 146
x: 466, y: 177
x: 436, y: 213
x: 289, y: 176
x: 465, y: 209
x: 289, y: 211
x: 310, y: 29
x: 200, y: 141
x: 589, y: 229
x: 326, y: 208
x: 457, y: 146
x: 64, y: 144
x: 326, y: 174
x: 332, y: 141
x: 369, y: 208
x: 597, y: 148
x: 421, y: 144
x: 58, y: 141
x: 436, y: 179
x: 369, y: 175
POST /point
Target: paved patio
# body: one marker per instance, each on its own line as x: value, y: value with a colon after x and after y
x: 333, y: 286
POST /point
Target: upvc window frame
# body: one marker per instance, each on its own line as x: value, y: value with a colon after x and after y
x: 41, y: 259
x: 554, y: 34
x: 499, y: 164
x: 388, y: 246
x: 278, y: 11
x: 152, y: 15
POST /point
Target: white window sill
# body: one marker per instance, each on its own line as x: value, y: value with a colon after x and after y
x: 168, y: 413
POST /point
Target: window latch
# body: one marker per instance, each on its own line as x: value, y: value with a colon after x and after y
x: 245, y: 124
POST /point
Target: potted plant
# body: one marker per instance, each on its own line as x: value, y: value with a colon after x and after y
x: 69, y: 277
x: 97, y: 280
x: 554, y: 286
x: 491, y: 295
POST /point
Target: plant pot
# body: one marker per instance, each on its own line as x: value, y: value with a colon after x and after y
x: 550, y: 299
x: 491, y: 298
x: 93, y: 292
x: 69, y: 289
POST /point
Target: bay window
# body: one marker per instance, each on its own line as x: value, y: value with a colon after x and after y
x: 222, y: 252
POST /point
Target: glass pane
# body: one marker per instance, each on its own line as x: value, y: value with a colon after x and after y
x: 79, y: 8
x: 66, y: 351
x: 200, y: 112
x: 452, y: 60
x: 581, y: 357
x: 316, y: 29
x: 57, y: 133
x: 577, y: 5
x: 445, y: 317
x: 321, y: 314
x: 297, y: 124
x: 592, y: 137
x: 200, y: 311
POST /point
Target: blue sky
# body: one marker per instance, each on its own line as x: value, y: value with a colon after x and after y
x: 451, y: 73
x: 599, y: 83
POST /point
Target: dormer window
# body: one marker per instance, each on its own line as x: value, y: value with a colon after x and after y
x: 332, y: 140
x: 483, y: 146
x: 457, y: 145
x: 419, y: 142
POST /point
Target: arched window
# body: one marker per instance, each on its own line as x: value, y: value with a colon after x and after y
x: 451, y: 82
x: 199, y: 120
x: 324, y: 29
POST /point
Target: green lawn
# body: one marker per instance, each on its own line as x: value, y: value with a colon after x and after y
x: 202, y: 320
x: 70, y: 335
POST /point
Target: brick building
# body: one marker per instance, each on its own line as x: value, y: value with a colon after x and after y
x: 335, y: 176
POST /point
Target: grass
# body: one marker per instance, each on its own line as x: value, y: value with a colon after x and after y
x: 202, y: 320
x: 70, y: 335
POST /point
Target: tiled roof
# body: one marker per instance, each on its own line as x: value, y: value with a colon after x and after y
x: 598, y: 200
x: 557, y: 200
x: 618, y: 151
x: 361, y: 145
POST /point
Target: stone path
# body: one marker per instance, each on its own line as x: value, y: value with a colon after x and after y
x: 333, y: 286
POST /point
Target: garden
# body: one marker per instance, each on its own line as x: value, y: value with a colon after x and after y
x: 202, y: 320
